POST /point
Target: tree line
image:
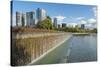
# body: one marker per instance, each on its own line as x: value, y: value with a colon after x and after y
x: 47, y: 24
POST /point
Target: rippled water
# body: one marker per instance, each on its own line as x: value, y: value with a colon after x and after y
x: 76, y: 49
x: 84, y: 48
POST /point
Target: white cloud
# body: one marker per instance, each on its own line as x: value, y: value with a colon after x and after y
x: 95, y: 11
x: 79, y: 18
x: 91, y: 26
x: 76, y: 18
x: 60, y: 18
x: 83, y: 22
x: 92, y: 21
x: 13, y: 20
x: 88, y: 25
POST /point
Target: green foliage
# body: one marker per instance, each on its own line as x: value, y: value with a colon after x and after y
x: 94, y: 30
x: 77, y: 29
x: 48, y: 17
x: 45, y: 24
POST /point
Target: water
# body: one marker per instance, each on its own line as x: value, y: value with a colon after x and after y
x: 76, y: 49
x: 84, y: 48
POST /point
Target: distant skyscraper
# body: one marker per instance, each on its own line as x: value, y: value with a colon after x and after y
x: 30, y: 19
x: 41, y: 14
x: 27, y: 19
x: 63, y: 25
x: 24, y: 19
x: 72, y: 25
x: 18, y: 19
x: 55, y: 23
x: 83, y: 26
x: 59, y: 26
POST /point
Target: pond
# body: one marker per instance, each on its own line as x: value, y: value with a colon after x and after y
x: 77, y: 49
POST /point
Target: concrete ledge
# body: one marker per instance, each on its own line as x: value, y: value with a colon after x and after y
x: 22, y: 36
x: 59, y: 44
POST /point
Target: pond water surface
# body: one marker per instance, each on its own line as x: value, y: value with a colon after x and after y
x: 76, y: 49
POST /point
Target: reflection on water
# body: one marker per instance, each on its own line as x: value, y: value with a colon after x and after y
x: 84, y: 48
x: 76, y: 49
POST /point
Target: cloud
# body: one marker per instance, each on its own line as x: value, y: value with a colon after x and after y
x: 88, y: 25
x: 79, y: 18
x: 76, y: 18
x: 13, y: 20
x: 95, y: 11
x: 60, y: 18
x: 83, y: 22
x: 92, y: 21
x: 91, y: 26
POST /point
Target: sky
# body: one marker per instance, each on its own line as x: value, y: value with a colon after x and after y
x: 71, y: 14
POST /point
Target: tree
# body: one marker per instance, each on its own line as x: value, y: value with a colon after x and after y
x: 48, y: 17
x: 45, y: 24
x: 94, y: 30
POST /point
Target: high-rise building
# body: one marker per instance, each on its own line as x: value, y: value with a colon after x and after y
x: 24, y: 19
x: 27, y: 19
x: 63, y: 25
x: 30, y: 19
x: 72, y: 25
x: 59, y: 26
x: 18, y: 19
x: 55, y: 23
x: 83, y: 26
x: 41, y: 14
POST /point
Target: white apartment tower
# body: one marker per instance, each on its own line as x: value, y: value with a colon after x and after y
x: 55, y: 23
x: 30, y: 19
x: 41, y: 14
x: 18, y: 19
x: 24, y: 20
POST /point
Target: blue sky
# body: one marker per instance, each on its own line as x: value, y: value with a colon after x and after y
x: 66, y: 13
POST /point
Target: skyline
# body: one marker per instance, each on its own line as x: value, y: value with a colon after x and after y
x: 65, y: 13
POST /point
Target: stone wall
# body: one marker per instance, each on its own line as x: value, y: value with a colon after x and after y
x: 28, y: 47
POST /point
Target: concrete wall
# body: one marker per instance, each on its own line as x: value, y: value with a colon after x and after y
x: 28, y: 47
